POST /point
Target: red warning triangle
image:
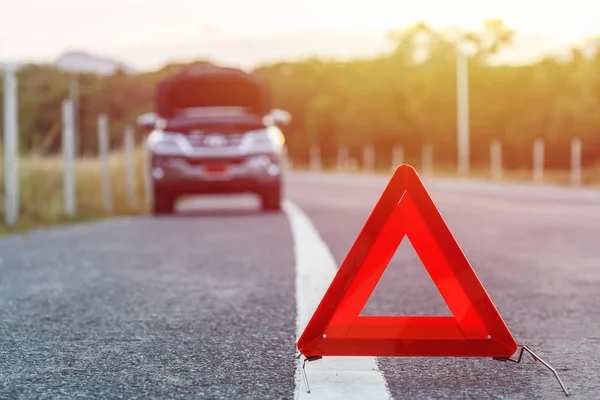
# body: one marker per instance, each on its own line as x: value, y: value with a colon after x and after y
x: 475, y: 328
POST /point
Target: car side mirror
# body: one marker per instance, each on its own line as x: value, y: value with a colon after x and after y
x: 148, y: 120
x: 280, y: 117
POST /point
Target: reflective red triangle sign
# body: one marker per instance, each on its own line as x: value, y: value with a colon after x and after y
x: 475, y: 328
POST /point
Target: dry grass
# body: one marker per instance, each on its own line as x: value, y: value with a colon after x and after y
x: 41, y: 191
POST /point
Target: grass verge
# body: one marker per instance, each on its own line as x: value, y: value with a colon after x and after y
x: 41, y: 191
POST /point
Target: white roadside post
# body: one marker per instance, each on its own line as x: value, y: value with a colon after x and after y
x: 287, y: 162
x: 129, y: 144
x: 68, y: 153
x: 342, y: 159
x: 103, y: 152
x: 11, y: 147
x: 315, y: 159
x: 496, y: 160
x: 538, y: 161
x: 397, y: 157
x: 576, y: 162
x: 147, y: 122
x: 427, y: 159
x: 146, y: 161
x: 462, y: 98
x: 369, y: 159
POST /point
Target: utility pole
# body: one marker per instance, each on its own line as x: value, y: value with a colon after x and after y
x: 462, y: 100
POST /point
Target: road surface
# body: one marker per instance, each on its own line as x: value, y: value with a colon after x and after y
x: 209, y: 303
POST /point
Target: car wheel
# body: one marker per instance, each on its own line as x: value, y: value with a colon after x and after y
x: 271, y: 198
x: 164, y: 202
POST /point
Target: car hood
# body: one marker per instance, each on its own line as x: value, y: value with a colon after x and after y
x: 212, y: 87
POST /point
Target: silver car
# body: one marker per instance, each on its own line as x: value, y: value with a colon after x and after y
x: 215, y: 132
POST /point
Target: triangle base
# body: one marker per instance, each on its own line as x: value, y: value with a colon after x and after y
x: 408, y: 348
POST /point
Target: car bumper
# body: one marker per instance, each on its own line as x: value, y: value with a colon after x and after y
x: 252, y: 173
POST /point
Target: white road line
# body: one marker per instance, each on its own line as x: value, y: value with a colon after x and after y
x: 331, y: 377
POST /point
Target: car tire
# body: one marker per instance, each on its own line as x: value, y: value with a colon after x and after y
x: 164, y: 202
x: 271, y: 198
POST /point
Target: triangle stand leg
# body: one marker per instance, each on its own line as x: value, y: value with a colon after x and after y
x: 304, y: 377
x: 536, y: 358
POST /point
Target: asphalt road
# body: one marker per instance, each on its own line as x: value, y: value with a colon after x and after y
x: 203, y: 304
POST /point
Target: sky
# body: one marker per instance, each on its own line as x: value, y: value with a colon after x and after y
x: 149, y: 33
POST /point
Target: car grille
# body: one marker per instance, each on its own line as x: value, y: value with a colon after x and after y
x: 167, y: 160
x: 211, y: 140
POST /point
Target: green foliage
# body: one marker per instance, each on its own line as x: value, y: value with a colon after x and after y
x: 405, y: 98
x: 409, y: 98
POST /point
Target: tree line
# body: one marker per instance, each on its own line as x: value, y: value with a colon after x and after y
x: 405, y: 98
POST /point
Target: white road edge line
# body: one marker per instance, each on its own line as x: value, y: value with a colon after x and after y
x: 331, y: 377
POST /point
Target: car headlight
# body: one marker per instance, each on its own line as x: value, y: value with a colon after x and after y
x: 161, y: 142
x: 271, y: 137
x: 276, y: 135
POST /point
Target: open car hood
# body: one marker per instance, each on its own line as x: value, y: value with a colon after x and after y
x: 212, y: 86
